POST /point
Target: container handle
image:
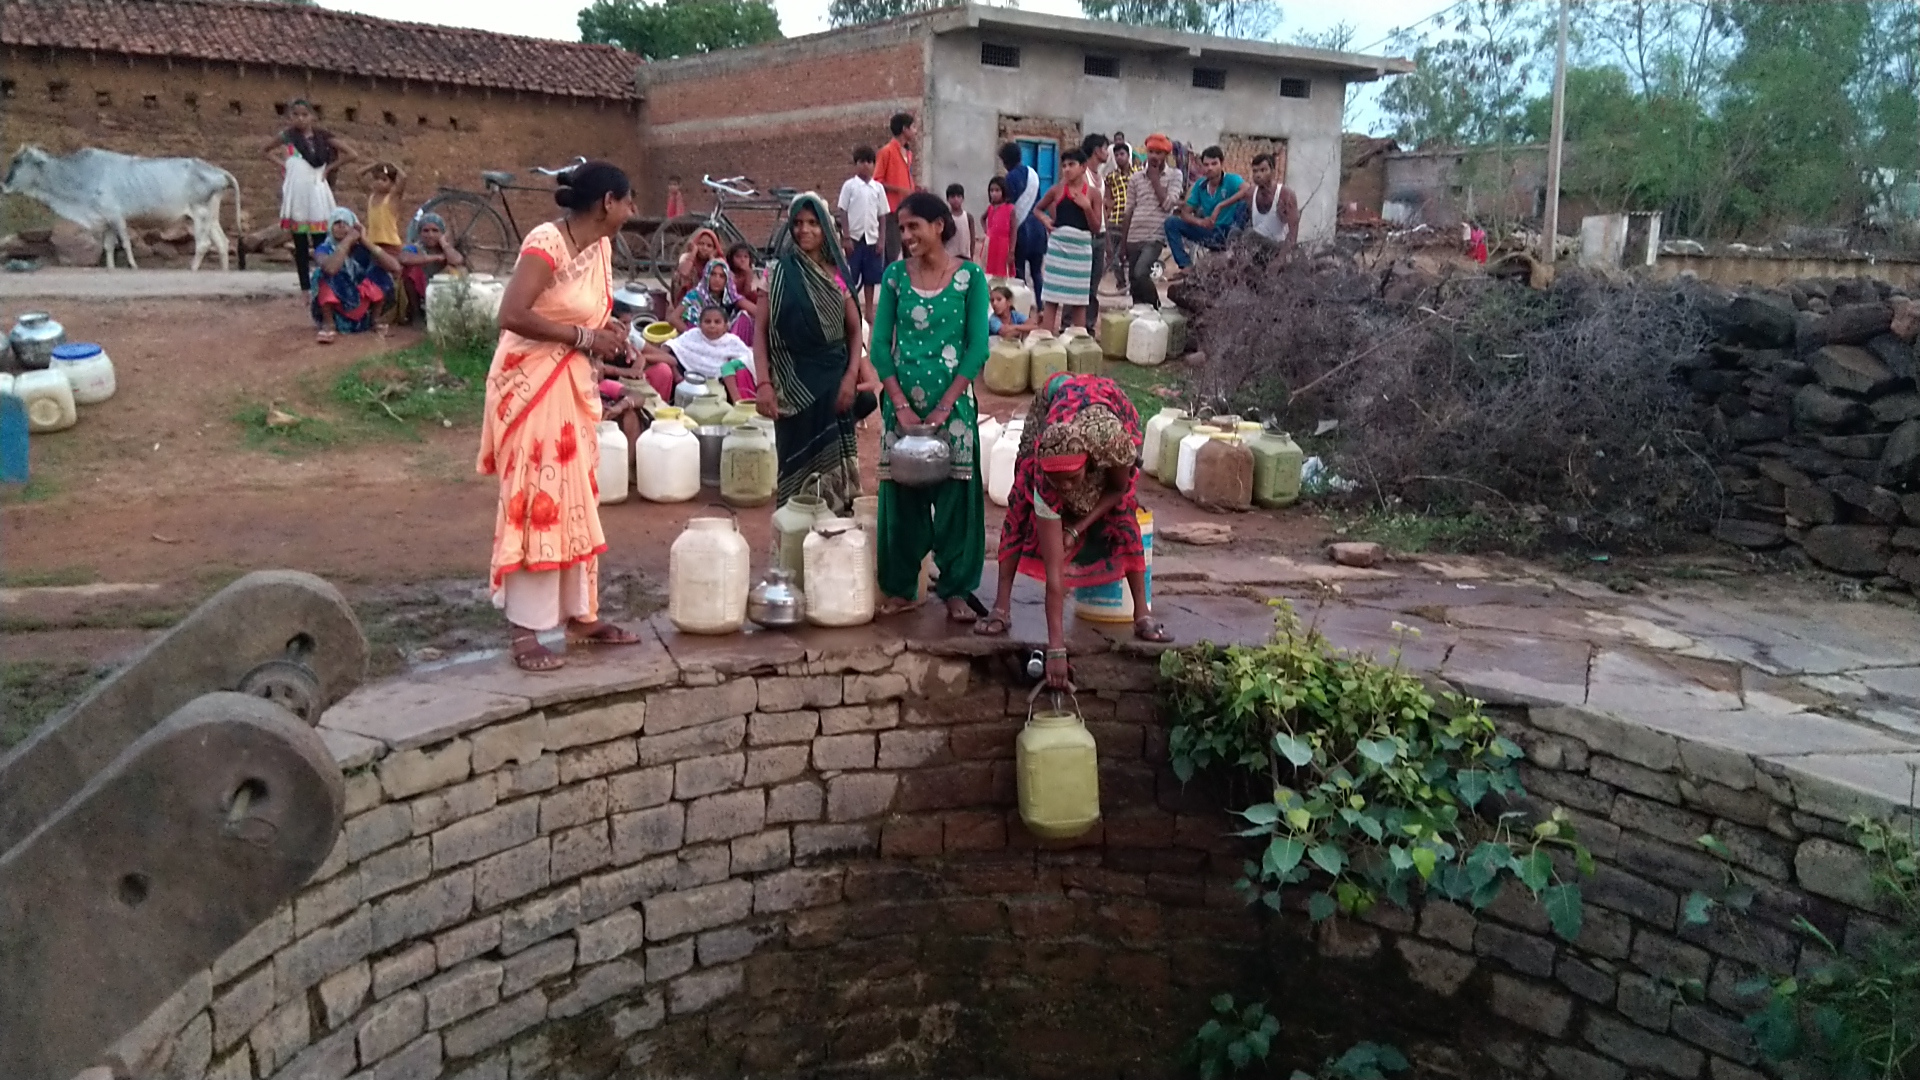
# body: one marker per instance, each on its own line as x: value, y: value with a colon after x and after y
x: 1072, y: 692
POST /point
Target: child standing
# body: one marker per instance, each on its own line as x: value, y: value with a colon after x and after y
x: 1074, y: 206
x: 998, y: 226
x: 386, y: 184
x: 965, y: 241
x: 676, y: 202
x: 862, y: 203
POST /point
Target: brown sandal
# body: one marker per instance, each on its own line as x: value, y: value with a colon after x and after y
x: 986, y: 627
x: 530, y: 655
x: 1148, y: 628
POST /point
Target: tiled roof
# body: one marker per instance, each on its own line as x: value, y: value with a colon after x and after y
x: 298, y: 36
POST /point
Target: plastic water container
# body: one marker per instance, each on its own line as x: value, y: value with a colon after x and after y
x: 1147, y: 341
x: 666, y: 463
x: 1084, y: 355
x: 1113, y: 602
x: 749, y: 471
x: 866, y: 514
x: 1189, y: 454
x: 6, y: 382
x: 1223, y: 473
x: 707, y: 570
x: 48, y: 397
x: 615, y: 471
x: 1047, y: 357
x: 88, y: 371
x: 1150, y: 442
x: 1006, y: 453
x: 1166, y: 468
x: 1057, y: 775
x: 841, y: 585
x: 1277, y: 460
x: 792, y: 524
x: 1176, y: 321
x: 1111, y: 329
x: 1007, y: 370
x: 990, y: 430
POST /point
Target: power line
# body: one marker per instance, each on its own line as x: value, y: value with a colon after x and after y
x: 1435, y: 17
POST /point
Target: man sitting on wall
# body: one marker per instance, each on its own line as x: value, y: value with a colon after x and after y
x: 1210, y: 210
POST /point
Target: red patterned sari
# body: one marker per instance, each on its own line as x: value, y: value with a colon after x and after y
x: 1112, y: 547
x: 537, y: 434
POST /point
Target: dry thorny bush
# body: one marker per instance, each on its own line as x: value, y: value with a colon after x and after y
x: 1549, y: 413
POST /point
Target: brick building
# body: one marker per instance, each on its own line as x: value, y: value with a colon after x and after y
x: 790, y: 112
x: 211, y: 79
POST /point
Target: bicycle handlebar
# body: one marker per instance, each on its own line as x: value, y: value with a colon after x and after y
x: 575, y: 163
x: 726, y: 185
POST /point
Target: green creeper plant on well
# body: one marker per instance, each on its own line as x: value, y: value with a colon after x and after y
x: 1379, y: 789
x: 1857, y: 1016
x: 1239, y: 1038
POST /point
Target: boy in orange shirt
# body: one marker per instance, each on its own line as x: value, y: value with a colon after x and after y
x: 894, y: 171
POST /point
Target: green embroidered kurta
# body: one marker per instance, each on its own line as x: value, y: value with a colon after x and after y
x: 925, y: 343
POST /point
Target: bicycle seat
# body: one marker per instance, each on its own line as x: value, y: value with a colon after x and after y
x: 784, y: 194
x: 497, y: 178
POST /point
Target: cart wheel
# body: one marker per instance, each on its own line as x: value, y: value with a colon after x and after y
x: 290, y: 685
x: 477, y: 229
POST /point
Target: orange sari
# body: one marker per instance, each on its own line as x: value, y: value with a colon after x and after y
x: 537, y: 434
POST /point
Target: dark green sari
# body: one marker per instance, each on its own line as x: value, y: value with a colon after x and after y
x: 807, y: 356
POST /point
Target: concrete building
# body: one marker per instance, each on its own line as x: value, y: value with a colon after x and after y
x: 211, y: 79
x: 790, y: 112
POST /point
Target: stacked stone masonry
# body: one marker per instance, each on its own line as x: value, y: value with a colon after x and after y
x: 1812, y: 390
x: 813, y: 862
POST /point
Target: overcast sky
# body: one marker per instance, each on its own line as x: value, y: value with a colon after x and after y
x: 1373, y: 20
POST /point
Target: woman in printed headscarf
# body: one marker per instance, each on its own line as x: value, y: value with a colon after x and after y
x: 309, y: 156
x: 702, y: 248
x: 1071, y: 517
x: 715, y: 289
x: 353, y: 282
x: 808, y: 361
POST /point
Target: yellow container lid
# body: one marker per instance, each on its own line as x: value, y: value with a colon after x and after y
x: 667, y: 412
x: 659, y: 333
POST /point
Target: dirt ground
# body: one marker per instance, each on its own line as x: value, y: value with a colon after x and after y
x: 164, y: 486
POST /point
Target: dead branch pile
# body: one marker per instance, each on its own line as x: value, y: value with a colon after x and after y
x: 1559, y: 408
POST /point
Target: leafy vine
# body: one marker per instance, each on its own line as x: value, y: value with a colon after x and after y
x: 1377, y: 785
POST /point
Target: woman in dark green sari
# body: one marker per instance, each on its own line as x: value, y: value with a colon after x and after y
x: 808, y: 360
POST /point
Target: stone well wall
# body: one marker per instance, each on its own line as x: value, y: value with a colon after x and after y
x: 1813, y: 388
x: 709, y: 859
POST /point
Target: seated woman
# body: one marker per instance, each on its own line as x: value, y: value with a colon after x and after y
x: 1071, y: 516
x: 709, y: 351
x: 745, y: 279
x: 430, y: 253
x: 702, y: 248
x: 352, y: 281
x: 716, y: 289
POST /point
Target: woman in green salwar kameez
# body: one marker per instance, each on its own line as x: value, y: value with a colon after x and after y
x: 929, y: 343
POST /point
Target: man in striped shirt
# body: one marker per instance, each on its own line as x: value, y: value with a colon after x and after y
x: 1152, y: 194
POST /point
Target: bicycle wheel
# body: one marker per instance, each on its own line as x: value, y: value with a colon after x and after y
x: 477, y: 230
x: 668, y: 239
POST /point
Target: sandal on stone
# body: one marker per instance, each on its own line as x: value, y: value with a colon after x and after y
x: 996, y: 624
x: 530, y: 655
x: 1148, y: 628
x: 961, y: 614
x: 893, y: 605
x: 603, y: 633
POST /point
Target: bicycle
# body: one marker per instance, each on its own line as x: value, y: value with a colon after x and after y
x: 491, y: 243
x: 673, y: 233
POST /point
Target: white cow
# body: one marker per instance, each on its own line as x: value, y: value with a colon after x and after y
x: 102, y: 191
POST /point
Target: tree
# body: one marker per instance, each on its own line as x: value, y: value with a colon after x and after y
x: 855, y: 12
x: 1469, y: 86
x: 670, y: 28
x: 1254, y: 19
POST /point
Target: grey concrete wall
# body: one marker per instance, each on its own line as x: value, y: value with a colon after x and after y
x: 1153, y: 93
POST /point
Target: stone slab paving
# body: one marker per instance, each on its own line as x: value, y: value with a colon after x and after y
x: 1830, y: 688
x: 99, y: 283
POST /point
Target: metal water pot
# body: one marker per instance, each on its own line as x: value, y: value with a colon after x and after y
x: 631, y: 301
x: 776, y: 603
x: 33, y: 339
x: 919, y: 458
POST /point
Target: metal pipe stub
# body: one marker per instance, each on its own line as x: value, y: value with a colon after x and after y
x: 165, y: 859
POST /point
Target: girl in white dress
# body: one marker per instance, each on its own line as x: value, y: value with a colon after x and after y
x: 309, y: 155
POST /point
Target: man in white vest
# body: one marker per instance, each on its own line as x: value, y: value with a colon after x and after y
x: 1272, y: 211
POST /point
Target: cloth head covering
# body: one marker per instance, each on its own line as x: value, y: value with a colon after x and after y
x: 701, y: 297
x: 1094, y: 435
x: 1157, y: 141
x: 694, y: 240
x: 829, y: 234
x: 342, y: 215
x: 432, y: 219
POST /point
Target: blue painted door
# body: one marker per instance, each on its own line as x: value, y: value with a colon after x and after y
x: 1043, y: 155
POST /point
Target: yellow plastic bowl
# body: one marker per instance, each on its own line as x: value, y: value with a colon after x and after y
x: 659, y: 333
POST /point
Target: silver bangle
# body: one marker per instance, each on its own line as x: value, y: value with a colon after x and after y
x: 582, y: 337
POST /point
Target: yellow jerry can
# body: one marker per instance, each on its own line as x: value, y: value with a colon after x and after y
x: 1057, y: 775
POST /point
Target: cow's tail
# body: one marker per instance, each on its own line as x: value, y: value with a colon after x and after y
x: 239, y: 222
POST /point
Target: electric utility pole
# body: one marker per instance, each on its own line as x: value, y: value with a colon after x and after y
x: 1555, y: 139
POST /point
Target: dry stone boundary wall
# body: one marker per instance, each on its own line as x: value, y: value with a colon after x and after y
x: 815, y: 866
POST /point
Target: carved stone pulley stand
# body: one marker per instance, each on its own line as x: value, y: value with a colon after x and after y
x: 162, y: 817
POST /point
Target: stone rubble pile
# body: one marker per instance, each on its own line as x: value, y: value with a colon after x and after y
x: 1811, y: 390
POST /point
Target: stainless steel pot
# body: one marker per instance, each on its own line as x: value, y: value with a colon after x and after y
x: 776, y: 603
x: 919, y: 458
x: 632, y: 301
x: 712, y: 438
x: 33, y: 339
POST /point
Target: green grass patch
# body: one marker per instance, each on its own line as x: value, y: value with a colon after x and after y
x: 38, y: 488
x: 43, y: 579
x: 1149, y: 388
x: 417, y: 385
x: 286, y: 429
x: 1412, y: 534
x: 32, y: 691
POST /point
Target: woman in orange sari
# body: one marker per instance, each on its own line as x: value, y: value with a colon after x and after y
x: 537, y: 433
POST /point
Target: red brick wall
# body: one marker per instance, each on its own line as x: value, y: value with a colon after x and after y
x: 65, y: 101
x: 806, y: 107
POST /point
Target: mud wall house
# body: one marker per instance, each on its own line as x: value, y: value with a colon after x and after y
x: 211, y: 79
x: 791, y: 112
x: 1363, y: 172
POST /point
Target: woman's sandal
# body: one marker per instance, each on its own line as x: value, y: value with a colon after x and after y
x: 325, y: 337
x: 986, y: 627
x: 893, y: 605
x: 1148, y: 628
x: 530, y: 655
x: 603, y: 633
x: 959, y: 611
